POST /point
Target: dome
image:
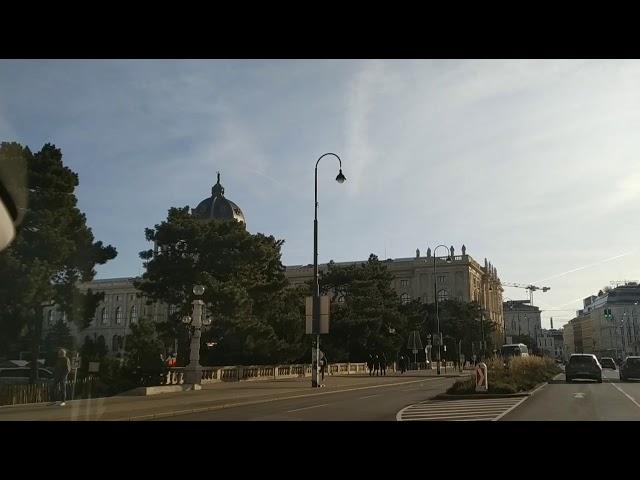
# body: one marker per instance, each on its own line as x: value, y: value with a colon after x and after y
x: 217, y: 207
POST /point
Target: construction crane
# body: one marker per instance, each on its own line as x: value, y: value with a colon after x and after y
x: 531, y: 288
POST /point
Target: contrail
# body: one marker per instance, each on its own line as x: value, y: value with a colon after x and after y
x: 585, y: 266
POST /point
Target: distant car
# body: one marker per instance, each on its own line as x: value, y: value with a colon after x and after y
x: 21, y: 375
x: 607, y: 362
x: 630, y: 368
x: 583, y: 366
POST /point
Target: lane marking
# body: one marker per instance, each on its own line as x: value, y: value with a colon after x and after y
x: 512, y: 408
x: 578, y: 395
x: 307, y: 408
x: 369, y: 396
x: 173, y: 413
x: 625, y: 394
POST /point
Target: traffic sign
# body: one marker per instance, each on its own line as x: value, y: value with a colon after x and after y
x: 76, y: 362
x: 324, y: 316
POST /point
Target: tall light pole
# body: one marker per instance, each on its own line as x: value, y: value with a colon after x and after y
x: 340, y: 178
x: 435, y: 294
x: 193, y: 371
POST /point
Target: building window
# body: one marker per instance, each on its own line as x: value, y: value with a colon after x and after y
x: 404, y: 283
x: 117, y: 298
x: 118, y: 315
x: 105, y: 316
x: 443, y: 295
x: 133, y: 318
x: 64, y: 317
x: 442, y: 279
x: 405, y: 298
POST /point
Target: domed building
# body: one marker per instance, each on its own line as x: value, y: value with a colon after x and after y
x: 218, y: 207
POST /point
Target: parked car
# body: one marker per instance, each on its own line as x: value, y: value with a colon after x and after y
x: 607, y: 362
x: 583, y: 366
x: 630, y: 368
x: 21, y: 375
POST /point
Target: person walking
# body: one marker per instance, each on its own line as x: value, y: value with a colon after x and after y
x: 60, y: 375
x: 376, y: 365
x: 383, y: 364
x: 403, y: 364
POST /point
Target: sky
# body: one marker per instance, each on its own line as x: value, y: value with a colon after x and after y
x: 532, y: 164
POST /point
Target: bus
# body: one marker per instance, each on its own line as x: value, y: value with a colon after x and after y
x: 514, y: 350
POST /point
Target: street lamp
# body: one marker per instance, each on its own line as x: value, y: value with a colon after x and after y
x: 340, y: 178
x: 193, y: 371
x: 435, y: 292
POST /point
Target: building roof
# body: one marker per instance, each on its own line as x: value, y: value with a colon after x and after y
x: 217, y: 207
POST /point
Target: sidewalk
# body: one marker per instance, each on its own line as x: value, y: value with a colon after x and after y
x: 211, y: 397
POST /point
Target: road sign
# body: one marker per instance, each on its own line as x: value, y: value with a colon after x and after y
x: 76, y: 362
x: 482, y: 382
x: 324, y: 315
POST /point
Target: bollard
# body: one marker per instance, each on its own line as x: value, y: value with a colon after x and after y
x: 482, y: 380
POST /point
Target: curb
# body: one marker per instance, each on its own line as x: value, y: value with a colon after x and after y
x: 447, y: 396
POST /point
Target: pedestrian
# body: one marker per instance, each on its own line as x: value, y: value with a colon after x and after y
x: 376, y: 365
x: 60, y: 375
x: 370, y: 364
x: 323, y: 364
x: 383, y: 364
x: 402, y: 364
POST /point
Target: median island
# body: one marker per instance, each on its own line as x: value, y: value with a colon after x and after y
x: 516, y: 375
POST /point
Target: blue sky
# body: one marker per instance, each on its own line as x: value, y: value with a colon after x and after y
x: 532, y: 164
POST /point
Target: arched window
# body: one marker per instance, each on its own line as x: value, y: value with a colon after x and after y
x: 405, y: 298
x: 118, y: 315
x: 133, y: 317
x: 105, y: 316
x: 443, y: 295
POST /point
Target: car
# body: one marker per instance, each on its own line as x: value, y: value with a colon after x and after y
x: 607, y: 362
x: 21, y: 375
x: 583, y: 366
x: 630, y: 368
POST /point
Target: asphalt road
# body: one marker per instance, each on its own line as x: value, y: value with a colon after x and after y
x: 582, y: 400
x: 367, y: 404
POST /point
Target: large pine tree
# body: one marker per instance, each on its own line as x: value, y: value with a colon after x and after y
x: 53, y: 251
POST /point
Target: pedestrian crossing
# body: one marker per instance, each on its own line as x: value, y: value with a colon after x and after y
x: 487, y: 409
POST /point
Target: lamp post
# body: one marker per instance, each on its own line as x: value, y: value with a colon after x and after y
x: 435, y: 294
x: 193, y: 371
x: 340, y: 178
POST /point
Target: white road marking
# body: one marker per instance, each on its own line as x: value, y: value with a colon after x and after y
x: 625, y: 394
x: 369, y: 396
x: 307, y: 408
x: 466, y: 409
x: 578, y: 395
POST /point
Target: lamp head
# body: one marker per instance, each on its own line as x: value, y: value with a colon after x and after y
x: 341, y: 178
x: 198, y: 290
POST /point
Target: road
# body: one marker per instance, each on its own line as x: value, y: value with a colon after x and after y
x: 582, y: 400
x: 380, y: 403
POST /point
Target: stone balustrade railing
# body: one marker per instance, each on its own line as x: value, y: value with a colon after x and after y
x: 175, y: 375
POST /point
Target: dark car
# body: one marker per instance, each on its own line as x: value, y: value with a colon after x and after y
x: 607, y: 362
x: 630, y: 368
x: 583, y: 366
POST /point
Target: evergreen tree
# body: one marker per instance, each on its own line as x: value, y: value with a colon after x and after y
x: 53, y: 251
